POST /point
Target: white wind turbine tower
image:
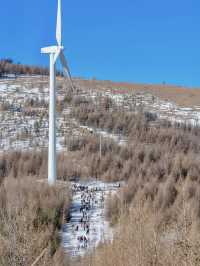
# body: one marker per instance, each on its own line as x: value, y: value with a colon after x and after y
x: 54, y: 52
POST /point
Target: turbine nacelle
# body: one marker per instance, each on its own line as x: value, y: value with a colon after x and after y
x: 52, y: 49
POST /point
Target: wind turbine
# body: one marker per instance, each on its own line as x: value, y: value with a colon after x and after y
x: 55, y: 52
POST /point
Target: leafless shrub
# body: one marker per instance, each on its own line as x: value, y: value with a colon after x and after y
x: 113, y: 209
x: 167, y: 194
x: 150, y: 190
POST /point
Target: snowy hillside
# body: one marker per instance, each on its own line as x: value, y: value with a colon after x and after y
x: 24, y: 112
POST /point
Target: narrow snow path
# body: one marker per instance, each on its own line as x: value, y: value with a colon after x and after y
x: 88, y: 226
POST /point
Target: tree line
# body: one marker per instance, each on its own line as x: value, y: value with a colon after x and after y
x: 8, y: 67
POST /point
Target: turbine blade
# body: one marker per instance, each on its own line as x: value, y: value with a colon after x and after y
x: 59, y: 24
x: 56, y: 55
x: 66, y: 68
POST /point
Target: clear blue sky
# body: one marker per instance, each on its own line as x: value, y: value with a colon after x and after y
x: 146, y: 41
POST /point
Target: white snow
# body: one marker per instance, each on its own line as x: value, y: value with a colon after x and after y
x: 3, y: 87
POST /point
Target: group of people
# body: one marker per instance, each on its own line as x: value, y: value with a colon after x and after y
x: 89, y: 200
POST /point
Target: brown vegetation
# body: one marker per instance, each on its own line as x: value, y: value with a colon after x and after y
x: 34, y: 164
x: 31, y: 212
x: 158, y: 210
x: 30, y: 217
x: 139, y: 241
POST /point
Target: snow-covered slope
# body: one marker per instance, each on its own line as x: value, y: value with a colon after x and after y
x: 24, y: 112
